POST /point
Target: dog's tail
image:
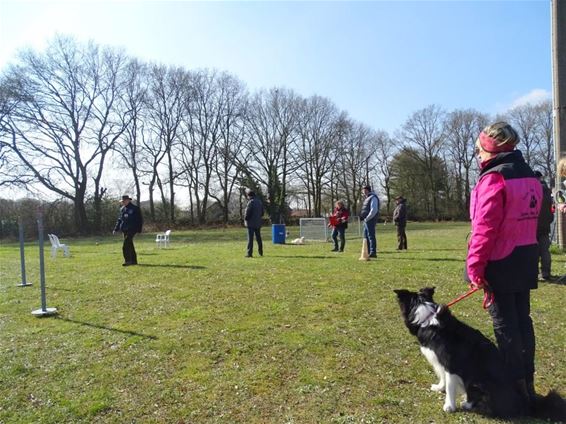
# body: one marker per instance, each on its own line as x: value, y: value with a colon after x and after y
x: 550, y: 407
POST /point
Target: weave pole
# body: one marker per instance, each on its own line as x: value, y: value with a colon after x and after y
x: 44, y: 311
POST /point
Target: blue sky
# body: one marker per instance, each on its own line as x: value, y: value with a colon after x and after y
x: 380, y: 61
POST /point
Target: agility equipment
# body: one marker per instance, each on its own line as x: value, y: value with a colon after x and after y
x: 365, y: 254
x: 44, y: 311
x: 314, y: 229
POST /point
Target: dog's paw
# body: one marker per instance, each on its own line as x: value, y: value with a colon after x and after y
x: 449, y: 408
x: 437, y: 387
x: 467, y: 406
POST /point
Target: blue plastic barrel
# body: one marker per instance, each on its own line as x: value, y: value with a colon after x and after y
x: 278, y: 233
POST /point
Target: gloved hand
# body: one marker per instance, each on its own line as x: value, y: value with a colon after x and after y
x: 479, y: 283
x: 113, y: 232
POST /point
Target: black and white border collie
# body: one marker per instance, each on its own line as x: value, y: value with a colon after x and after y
x: 468, y: 363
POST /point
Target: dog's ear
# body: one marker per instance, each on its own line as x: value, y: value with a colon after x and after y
x: 427, y: 293
x: 402, y: 294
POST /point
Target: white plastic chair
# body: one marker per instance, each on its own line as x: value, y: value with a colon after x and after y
x: 56, y: 244
x: 162, y: 239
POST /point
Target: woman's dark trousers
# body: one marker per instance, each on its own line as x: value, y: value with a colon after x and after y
x: 513, y: 329
x: 340, y: 230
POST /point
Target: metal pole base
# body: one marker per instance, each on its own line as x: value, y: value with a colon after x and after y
x: 24, y: 284
x: 44, y: 313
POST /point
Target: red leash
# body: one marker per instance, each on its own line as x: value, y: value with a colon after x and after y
x: 487, y: 297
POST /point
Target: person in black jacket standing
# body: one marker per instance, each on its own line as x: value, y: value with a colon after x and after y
x: 545, y: 219
x: 400, y: 220
x: 130, y: 222
x: 252, y: 220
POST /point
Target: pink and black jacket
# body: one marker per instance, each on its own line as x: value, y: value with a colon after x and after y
x: 504, y: 209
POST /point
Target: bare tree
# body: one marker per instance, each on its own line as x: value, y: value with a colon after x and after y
x: 64, y: 124
x: 317, y: 127
x: 166, y: 109
x: 271, y: 136
x: 524, y: 119
x: 111, y: 115
x: 462, y: 128
x: 544, y: 133
x: 229, y: 146
x: 130, y: 147
x: 203, y: 118
x: 12, y: 174
x: 423, y: 135
x: 384, y: 152
x: 351, y: 169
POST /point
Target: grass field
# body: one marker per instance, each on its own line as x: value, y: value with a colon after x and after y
x: 197, y: 333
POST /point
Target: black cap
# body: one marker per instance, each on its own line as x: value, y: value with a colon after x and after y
x: 250, y: 193
x: 126, y: 197
x: 366, y: 187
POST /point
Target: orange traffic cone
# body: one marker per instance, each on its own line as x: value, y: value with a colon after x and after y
x: 365, y: 255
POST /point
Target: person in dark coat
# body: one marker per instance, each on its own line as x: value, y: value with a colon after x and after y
x: 339, y: 223
x: 130, y: 222
x: 400, y: 220
x: 252, y: 220
x: 544, y: 223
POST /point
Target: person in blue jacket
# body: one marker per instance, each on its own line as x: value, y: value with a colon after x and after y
x: 370, y: 213
x: 130, y: 222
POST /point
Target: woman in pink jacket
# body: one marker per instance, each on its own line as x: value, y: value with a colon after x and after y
x: 503, y: 249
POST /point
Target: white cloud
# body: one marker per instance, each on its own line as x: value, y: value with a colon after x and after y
x: 532, y: 97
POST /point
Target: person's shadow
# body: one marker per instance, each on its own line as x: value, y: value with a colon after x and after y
x: 103, y: 327
x: 173, y: 266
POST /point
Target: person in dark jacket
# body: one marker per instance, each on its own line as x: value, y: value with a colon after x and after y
x: 252, y: 220
x: 339, y: 223
x: 130, y: 222
x: 400, y: 220
x: 370, y: 213
x: 545, y: 219
x: 503, y: 250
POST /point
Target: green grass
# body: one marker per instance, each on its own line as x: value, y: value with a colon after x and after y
x: 198, y: 333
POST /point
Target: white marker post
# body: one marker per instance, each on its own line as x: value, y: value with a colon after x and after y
x: 44, y: 311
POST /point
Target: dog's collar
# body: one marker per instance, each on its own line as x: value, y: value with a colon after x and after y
x: 425, y: 314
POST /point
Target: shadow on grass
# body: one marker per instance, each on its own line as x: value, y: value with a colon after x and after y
x: 302, y: 257
x: 389, y: 252
x: 58, y: 289
x: 409, y: 258
x: 102, y: 327
x: 173, y: 266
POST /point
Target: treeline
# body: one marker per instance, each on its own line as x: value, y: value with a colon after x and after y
x: 75, y: 114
